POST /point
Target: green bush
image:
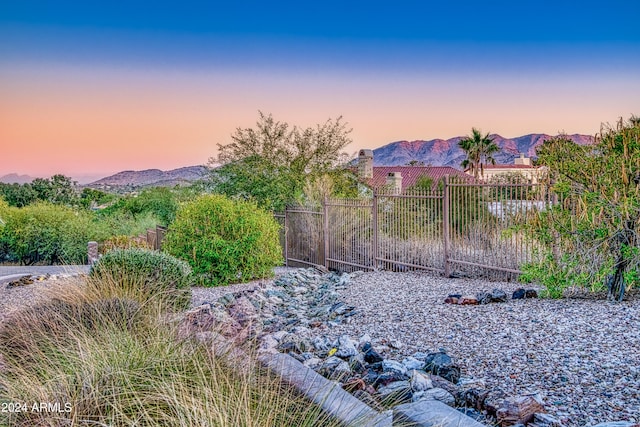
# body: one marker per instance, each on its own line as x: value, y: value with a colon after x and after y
x: 225, y: 240
x: 44, y: 233
x: 147, y: 273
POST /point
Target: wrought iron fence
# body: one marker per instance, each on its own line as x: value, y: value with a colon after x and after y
x: 456, y: 228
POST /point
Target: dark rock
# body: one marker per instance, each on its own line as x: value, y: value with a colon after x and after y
x: 483, y: 297
x: 440, y: 382
x: 522, y: 293
x: 519, y: 293
x: 451, y: 299
x: 472, y: 398
x: 370, y: 355
x: 442, y: 365
x: 387, y: 378
x: 498, y: 295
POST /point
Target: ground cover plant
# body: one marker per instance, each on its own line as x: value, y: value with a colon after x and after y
x: 146, y: 274
x: 224, y: 240
x: 99, y: 355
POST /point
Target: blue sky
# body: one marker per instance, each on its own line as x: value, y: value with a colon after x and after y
x: 149, y: 74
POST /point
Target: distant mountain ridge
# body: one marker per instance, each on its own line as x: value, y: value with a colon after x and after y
x: 14, y: 178
x: 152, y: 177
x: 441, y: 152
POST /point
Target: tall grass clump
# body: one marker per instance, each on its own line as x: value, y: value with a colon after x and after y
x: 225, y: 241
x: 101, y: 359
x: 145, y: 274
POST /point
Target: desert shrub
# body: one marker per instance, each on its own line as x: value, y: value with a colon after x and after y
x: 45, y: 233
x: 224, y: 240
x: 153, y: 275
x: 110, y: 362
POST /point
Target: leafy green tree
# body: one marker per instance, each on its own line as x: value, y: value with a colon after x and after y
x: 272, y: 162
x: 58, y: 189
x: 479, y: 150
x: 595, y: 225
x: 18, y: 195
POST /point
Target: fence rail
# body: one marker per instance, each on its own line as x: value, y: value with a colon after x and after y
x: 457, y: 228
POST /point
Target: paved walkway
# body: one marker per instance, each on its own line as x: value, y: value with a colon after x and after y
x: 42, y: 269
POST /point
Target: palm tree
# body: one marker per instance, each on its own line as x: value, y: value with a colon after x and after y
x: 479, y: 150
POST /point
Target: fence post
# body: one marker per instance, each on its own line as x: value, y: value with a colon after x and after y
x: 286, y: 235
x: 92, y: 252
x: 445, y: 225
x: 325, y: 232
x: 374, y: 220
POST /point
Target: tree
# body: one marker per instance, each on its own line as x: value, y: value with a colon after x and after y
x: 595, y: 225
x: 479, y: 150
x: 272, y: 162
x: 59, y: 189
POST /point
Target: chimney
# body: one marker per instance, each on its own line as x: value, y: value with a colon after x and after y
x: 394, y: 182
x: 522, y: 160
x: 365, y: 164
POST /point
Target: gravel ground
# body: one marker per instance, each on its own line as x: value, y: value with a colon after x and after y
x: 581, y: 355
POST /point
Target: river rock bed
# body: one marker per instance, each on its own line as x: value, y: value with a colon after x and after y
x: 390, y: 338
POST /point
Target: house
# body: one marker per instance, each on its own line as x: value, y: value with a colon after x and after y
x: 400, y: 178
x: 521, y: 166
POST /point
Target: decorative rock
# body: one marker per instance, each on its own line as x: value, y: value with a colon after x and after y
x: 522, y: 293
x: 395, y: 393
x: 442, y: 365
x: 544, y: 420
x: 370, y: 355
x: 334, y: 368
x: 618, y: 424
x: 498, y: 295
x: 439, y: 394
x: 519, y: 409
x: 452, y: 299
x: 420, y: 381
x: 346, y: 347
x: 412, y: 363
x: 394, y: 367
x: 468, y: 300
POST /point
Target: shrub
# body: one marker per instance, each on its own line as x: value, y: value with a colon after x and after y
x: 108, y: 362
x: 45, y: 233
x: 224, y: 240
x: 147, y: 273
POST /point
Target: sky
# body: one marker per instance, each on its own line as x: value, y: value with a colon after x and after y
x: 91, y: 88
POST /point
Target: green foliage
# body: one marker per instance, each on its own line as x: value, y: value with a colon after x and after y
x: 271, y: 163
x: 153, y: 274
x: 224, y: 240
x: 90, y: 198
x: 44, y: 233
x: 161, y: 202
x: 479, y: 150
x: 18, y: 195
x: 595, y: 223
x: 58, y: 189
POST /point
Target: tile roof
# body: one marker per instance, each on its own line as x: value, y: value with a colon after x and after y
x: 411, y: 174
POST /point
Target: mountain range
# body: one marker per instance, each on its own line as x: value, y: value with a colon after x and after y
x: 151, y: 177
x: 435, y: 152
x: 441, y: 152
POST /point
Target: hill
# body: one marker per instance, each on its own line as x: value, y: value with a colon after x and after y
x: 150, y: 178
x: 440, y: 152
x: 14, y: 178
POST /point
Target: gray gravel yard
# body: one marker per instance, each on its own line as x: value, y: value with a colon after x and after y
x: 581, y: 355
